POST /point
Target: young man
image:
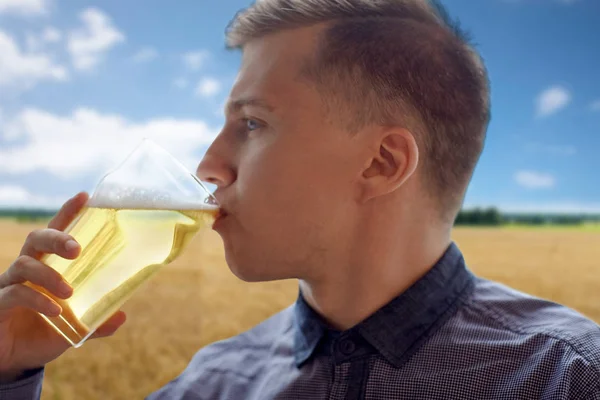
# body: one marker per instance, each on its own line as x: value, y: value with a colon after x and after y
x: 352, y: 132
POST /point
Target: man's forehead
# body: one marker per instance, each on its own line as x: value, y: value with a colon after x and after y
x: 295, y: 43
x: 260, y: 86
x: 273, y: 55
x: 270, y: 70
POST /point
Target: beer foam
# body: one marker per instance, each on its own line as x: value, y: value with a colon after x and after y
x: 140, y: 198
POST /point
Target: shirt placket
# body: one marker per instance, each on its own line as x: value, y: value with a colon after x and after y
x: 350, y: 354
x: 340, y: 382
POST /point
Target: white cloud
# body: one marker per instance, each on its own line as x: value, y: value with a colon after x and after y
x: 595, y: 106
x: 24, y: 7
x: 145, y: 54
x: 19, y: 197
x: 88, y: 44
x: 552, y: 100
x: 37, y: 43
x: 208, y: 87
x: 194, y: 60
x: 51, y: 35
x: 535, y: 180
x: 20, y: 69
x: 89, y: 142
x: 181, y: 83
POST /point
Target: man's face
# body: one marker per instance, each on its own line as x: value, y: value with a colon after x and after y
x: 286, y: 173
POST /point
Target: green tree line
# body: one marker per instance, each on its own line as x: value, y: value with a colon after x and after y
x: 27, y: 215
x: 473, y: 217
x: 493, y: 217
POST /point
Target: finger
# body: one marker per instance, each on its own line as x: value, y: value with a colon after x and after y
x: 110, y: 326
x: 68, y: 212
x: 24, y: 296
x: 50, y: 241
x: 29, y: 269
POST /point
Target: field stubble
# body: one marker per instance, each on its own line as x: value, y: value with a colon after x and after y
x: 196, y: 300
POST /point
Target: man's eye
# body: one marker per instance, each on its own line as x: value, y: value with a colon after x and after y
x: 252, y: 125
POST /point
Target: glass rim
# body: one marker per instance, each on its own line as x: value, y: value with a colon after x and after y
x: 210, y: 198
x: 213, y: 200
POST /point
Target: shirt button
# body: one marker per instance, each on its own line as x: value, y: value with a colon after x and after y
x: 347, y: 347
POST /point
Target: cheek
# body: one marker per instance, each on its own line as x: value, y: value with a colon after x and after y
x: 273, y: 185
x: 277, y: 222
x: 284, y: 174
x: 292, y: 191
x: 291, y: 206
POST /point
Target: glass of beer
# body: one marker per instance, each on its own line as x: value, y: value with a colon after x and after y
x: 140, y: 217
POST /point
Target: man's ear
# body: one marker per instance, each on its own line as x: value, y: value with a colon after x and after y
x: 393, y: 161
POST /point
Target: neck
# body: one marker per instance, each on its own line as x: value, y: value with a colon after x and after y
x: 376, y: 268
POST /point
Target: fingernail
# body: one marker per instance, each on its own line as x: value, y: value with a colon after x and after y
x: 71, y: 245
x: 54, y: 310
x: 65, y: 290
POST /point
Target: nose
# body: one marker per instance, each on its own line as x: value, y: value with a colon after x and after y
x: 215, y: 167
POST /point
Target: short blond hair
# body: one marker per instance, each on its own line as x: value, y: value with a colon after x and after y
x: 400, y: 62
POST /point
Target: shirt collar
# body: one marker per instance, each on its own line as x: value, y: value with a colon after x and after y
x: 309, y: 328
x: 397, y: 329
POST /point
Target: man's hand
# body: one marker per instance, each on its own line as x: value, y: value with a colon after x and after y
x: 26, y: 340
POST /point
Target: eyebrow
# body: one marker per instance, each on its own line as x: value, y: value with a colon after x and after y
x: 237, y: 105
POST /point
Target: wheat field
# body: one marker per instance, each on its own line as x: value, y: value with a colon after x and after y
x: 197, y: 300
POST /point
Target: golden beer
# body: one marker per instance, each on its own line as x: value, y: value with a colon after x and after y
x: 121, y: 248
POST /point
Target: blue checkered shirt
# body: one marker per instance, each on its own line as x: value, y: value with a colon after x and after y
x: 451, y: 335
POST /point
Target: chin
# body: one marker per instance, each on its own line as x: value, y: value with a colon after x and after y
x: 248, y: 266
x: 253, y: 276
x: 253, y: 272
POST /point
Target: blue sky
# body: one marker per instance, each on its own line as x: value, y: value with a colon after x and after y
x: 81, y: 82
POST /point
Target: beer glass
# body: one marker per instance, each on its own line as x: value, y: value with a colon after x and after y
x: 140, y: 217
